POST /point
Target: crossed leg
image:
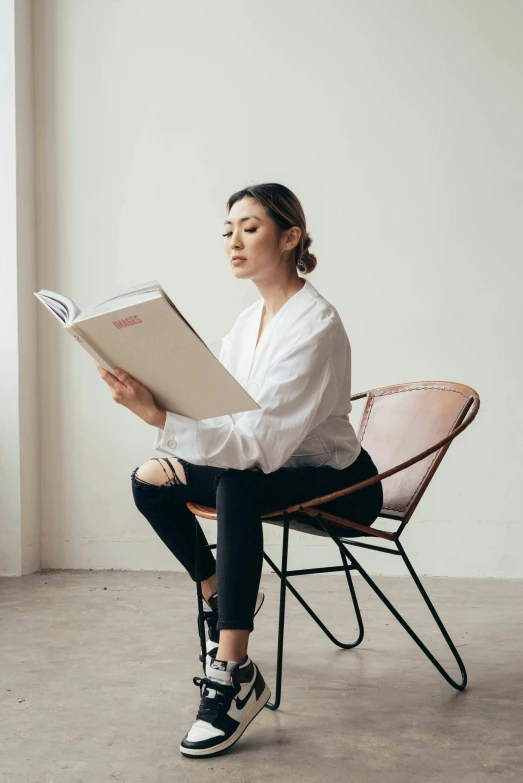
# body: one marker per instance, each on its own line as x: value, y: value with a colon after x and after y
x: 233, y: 643
x: 154, y: 472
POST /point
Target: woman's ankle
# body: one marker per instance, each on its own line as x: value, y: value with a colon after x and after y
x: 233, y: 645
x: 208, y: 587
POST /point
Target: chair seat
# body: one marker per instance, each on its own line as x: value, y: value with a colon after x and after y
x: 302, y: 522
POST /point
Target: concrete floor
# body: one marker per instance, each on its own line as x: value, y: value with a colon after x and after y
x: 96, y: 684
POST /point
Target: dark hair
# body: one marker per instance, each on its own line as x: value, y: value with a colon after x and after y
x: 286, y: 211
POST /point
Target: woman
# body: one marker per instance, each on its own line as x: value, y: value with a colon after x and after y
x: 291, y: 352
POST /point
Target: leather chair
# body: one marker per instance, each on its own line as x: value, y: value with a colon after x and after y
x: 407, y: 430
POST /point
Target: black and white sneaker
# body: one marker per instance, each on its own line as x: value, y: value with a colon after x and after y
x: 232, y: 694
x: 210, y: 617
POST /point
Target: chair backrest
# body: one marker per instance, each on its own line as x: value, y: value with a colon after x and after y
x: 401, y: 421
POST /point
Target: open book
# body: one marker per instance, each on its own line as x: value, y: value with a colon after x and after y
x: 144, y: 333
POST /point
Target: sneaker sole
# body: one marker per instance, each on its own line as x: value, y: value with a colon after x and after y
x: 254, y: 711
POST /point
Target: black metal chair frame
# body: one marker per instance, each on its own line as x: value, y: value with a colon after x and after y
x: 350, y: 563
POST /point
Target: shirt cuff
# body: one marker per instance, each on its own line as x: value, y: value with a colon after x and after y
x: 179, y: 437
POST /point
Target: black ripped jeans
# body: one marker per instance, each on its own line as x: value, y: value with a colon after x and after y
x: 240, y: 497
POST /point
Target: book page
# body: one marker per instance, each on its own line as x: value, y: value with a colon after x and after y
x: 117, y: 303
x: 61, y: 306
x: 148, y: 286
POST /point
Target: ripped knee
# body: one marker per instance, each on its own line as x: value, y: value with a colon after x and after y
x: 162, y: 472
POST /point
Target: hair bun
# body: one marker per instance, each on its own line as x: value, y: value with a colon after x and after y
x: 307, y: 243
x: 306, y: 261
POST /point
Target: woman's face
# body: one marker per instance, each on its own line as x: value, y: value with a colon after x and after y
x: 251, y: 234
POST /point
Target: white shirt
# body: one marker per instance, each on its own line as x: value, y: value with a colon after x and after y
x: 299, y: 374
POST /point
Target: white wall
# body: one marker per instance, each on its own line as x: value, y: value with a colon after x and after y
x: 20, y: 530
x: 399, y: 127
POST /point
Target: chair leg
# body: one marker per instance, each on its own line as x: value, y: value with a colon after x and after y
x: 281, y: 620
x: 459, y: 686
x: 201, y: 623
x: 303, y: 602
x: 354, y: 603
x: 284, y: 584
x: 455, y: 684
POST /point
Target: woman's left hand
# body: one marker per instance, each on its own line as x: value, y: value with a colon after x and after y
x: 133, y: 395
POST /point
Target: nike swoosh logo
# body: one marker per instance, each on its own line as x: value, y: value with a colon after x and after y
x: 242, y: 702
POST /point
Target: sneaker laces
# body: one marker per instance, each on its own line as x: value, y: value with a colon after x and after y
x: 212, y: 705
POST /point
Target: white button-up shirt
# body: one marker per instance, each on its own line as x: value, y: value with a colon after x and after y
x: 299, y: 374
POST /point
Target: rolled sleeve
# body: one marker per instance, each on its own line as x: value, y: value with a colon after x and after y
x: 178, y: 438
